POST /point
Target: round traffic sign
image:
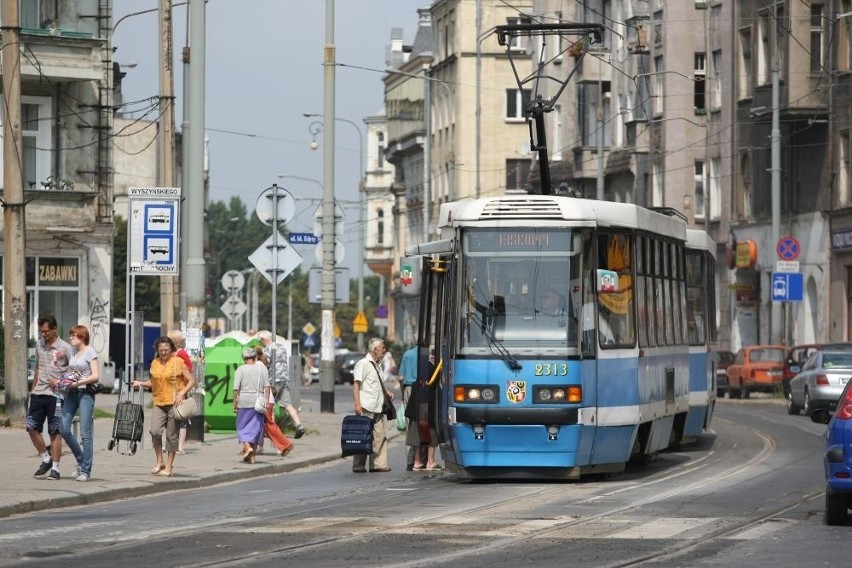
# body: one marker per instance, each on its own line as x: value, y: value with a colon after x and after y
x: 233, y: 280
x: 788, y: 248
x: 275, y: 202
x: 339, y: 252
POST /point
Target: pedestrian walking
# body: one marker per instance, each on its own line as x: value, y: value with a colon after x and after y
x: 169, y: 381
x: 270, y: 427
x: 250, y: 382
x: 279, y: 378
x: 52, y: 356
x: 180, y: 342
x: 369, y: 394
x: 80, y: 396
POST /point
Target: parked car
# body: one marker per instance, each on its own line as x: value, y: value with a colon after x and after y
x: 837, y: 457
x: 796, y: 357
x: 724, y: 359
x: 314, y: 370
x: 821, y: 379
x: 756, y: 368
x: 343, y: 365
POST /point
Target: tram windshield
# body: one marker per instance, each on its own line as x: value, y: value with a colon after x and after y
x: 521, y: 291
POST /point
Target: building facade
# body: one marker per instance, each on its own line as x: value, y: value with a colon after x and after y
x: 66, y: 78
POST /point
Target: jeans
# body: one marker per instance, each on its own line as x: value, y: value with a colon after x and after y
x: 86, y: 404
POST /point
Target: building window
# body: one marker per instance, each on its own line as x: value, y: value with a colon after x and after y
x: 816, y: 38
x: 36, y: 141
x: 556, y: 136
x: 700, y: 81
x: 516, y: 103
x: 519, y: 42
x: 517, y: 174
x: 380, y: 236
x: 764, y: 55
x: 843, y: 170
x: 38, y: 14
x: 716, y: 91
x: 698, y: 178
x: 592, y: 98
x: 657, y: 197
x: 844, y: 58
x: 744, y: 68
x: 659, y: 85
x: 714, y: 179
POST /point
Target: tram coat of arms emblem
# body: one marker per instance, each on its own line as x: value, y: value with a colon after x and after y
x: 516, y: 391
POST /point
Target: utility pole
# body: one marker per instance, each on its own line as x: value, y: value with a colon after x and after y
x: 14, y: 225
x: 775, y: 169
x: 327, y: 291
x: 167, y: 146
x: 193, y: 184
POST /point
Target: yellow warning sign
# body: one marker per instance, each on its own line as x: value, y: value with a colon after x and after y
x: 360, y: 323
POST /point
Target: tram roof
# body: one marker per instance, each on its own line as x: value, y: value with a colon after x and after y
x: 550, y: 210
x: 698, y: 239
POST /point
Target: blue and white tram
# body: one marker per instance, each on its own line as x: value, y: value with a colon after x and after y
x: 700, y: 330
x: 531, y: 386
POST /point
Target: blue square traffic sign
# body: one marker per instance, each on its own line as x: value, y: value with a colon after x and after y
x: 787, y: 286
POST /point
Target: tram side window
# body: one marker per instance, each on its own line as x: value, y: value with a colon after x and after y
x: 695, y: 308
x: 616, y: 309
x: 641, y: 300
x: 667, y: 297
x: 710, y: 268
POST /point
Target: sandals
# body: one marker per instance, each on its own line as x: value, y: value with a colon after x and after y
x: 435, y: 467
x: 166, y: 472
x: 283, y: 453
x: 249, y: 457
x: 158, y: 468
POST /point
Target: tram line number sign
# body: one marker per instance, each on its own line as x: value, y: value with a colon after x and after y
x: 788, y: 248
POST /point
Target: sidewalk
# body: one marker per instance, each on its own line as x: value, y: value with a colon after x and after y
x: 117, y: 476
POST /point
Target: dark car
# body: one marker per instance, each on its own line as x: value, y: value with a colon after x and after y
x: 821, y: 379
x: 796, y: 357
x: 837, y: 457
x: 343, y: 366
x: 723, y: 359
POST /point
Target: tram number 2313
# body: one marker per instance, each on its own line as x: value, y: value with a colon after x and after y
x: 551, y: 369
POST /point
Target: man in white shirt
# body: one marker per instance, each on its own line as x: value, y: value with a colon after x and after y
x: 369, y: 394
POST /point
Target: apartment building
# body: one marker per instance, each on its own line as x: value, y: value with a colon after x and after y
x: 66, y: 77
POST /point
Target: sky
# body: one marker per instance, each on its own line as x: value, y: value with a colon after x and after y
x: 263, y: 71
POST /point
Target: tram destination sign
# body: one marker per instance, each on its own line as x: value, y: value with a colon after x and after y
x: 519, y: 240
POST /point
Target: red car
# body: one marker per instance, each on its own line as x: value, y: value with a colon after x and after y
x: 756, y: 368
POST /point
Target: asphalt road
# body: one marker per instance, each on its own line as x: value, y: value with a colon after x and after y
x: 748, y: 494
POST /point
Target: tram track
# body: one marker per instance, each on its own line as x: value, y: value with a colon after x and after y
x: 448, y: 519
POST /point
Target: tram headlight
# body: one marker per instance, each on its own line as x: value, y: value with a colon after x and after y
x: 482, y: 394
x: 557, y: 394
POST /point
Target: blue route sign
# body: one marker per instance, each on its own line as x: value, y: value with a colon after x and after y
x: 787, y: 286
x: 303, y: 239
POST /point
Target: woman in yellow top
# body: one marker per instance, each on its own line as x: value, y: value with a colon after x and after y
x: 169, y: 382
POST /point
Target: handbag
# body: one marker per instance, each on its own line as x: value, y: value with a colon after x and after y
x: 188, y: 408
x: 94, y: 388
x: 260, y: 401
x: 388, y: 409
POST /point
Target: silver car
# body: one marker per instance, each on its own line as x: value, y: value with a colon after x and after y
x: 821, y: 380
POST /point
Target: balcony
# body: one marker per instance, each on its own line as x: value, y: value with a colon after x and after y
x: 595, y: 67
x: 70, y: 56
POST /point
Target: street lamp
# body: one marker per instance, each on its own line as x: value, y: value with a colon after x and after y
x: 314, y: 129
